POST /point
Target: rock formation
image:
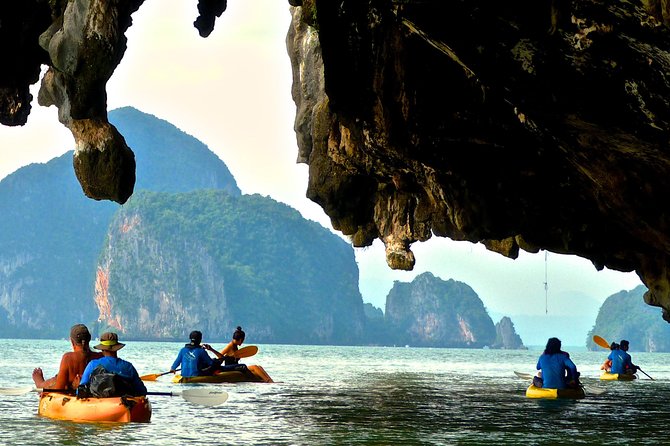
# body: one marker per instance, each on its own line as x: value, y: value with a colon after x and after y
x: 212, y: 259
x: 506, y: 336
x: 176, y: 262
x: 624, y: 316
x: 431, y: 312
x: 527, y: 125
x: 532, y: 125
x: 51, y: 235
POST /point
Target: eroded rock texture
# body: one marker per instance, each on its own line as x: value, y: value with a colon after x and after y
x: 531, y: 124
x: 431, y: 312
x: 507, y: 337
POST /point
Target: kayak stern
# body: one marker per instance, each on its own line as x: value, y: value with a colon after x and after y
x: 606, y: 376
x: 552, y: 394
x: 60, y: 406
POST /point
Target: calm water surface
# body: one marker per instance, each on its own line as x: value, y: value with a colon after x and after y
x: 357, y: 396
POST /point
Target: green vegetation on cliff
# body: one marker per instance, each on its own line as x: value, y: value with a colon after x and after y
x: 625, y: 315
x: 206, y: 260
x: 51, y: 234
x: 431, y: 312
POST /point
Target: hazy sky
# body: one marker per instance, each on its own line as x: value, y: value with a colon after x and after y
x: 232, y: 91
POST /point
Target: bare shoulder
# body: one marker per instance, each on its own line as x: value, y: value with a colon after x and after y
x: 68, y: 356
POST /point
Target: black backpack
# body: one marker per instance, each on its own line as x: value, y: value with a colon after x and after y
x: 104, y: 384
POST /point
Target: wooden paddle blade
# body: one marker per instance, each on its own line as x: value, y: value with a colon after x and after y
x: 24, y: 390
x: 247, y: 351
x: 601, y: 342
x: 152, y: 377
x: 523, y: 375
x: 594, y: 390
x: 205, y: 397
x: 17, y: 390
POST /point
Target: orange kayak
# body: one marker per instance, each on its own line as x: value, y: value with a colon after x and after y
x: 61, y: 406
x: 255, y: 373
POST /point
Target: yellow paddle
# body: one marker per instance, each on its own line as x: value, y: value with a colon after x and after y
x: 601, y: 342
x: 153, y: 376
x: 245, y: 352
x: 604, y: 344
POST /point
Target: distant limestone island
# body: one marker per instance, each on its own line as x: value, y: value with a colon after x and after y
x: 625, y: 315
x: 431, y: 312
x: 189, y: 251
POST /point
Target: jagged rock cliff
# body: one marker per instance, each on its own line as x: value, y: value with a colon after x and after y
x: 506, y: 336
x: 51, y: 235
x: 532, y: 125
x: 624, y: 316
x: 431, y: 312
x: 208, y: 261
x: 526, y: 125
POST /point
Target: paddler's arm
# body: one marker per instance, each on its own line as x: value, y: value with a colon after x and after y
x: 210, y: 349
x: 177, y: 362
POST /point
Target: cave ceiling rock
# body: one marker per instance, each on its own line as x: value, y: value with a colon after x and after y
x: 85, y: 42
x: 533, y: 125
x: 81, y: 42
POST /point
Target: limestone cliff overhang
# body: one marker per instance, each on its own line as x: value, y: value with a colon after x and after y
x: 522, y: 125
x: 535, y: 124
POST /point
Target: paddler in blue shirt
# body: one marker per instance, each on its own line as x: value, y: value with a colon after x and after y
x: 554, y: 363
x: 621, y: 360
x: 194, y: 359
x: 607, y: 365
x: 109, y: 345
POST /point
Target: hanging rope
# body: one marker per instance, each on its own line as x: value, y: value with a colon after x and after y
x: 546, y: 286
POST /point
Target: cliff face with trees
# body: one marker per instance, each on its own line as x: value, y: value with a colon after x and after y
x: 431, y: 312
x: 625, y: 316
x: 51, y: 235
x: 206, y: 260
x: 506, y: 336
x: 215, y: 261
x: 189, y: 251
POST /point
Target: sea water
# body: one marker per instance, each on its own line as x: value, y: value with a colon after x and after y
x: 327, y: 395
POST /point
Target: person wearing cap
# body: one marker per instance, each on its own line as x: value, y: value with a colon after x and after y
x: 72, y: 364
x: 621, y: 360
x: 109, y: 345
x: 193, y: 358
